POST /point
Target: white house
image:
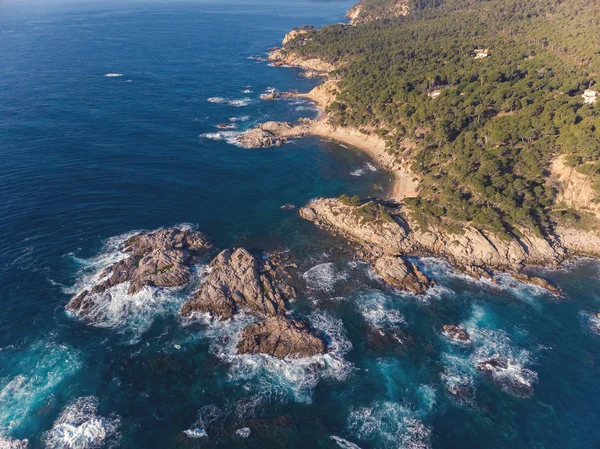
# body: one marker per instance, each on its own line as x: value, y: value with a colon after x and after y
x: 481, y: 53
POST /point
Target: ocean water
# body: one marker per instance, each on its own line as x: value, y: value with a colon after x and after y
x: 108, y: 125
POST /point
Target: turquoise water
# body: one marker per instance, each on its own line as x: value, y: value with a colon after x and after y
x: 88, y: 158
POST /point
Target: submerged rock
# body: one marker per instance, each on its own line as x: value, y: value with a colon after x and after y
x: 493, y: 365
x: 402, y: 274
x: 537, y: 281
x: 499, y: 370
x: 281, y: 337
x: 161, y: 258
x: 235, y: 282
x: 455, y: 333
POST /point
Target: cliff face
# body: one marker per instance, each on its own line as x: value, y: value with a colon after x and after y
x: 370, y: 10
x: 574, y: 189
x: 473, y: 251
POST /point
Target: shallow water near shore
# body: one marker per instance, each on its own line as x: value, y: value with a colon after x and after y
x: 108, y: 118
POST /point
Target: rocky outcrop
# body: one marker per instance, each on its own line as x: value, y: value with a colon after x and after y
x: 276, y: 95
x: 574, y: 189
x: 154, y: 259
x: 380, y: 235
x: 366, y: 11
x: 235, y: 282
x: 297, y: 33
x: 273, y: 134
x: 455, y: 333
x: 538, y: 282
x: 281, y: 337
x: 402, y: 274
x: 284, y: 57
x: 239, y: 281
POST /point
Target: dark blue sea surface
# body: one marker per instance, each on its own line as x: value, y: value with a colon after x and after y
x: 87, y: 158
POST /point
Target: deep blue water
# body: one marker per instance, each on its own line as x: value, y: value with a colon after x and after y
x: 87, y: 158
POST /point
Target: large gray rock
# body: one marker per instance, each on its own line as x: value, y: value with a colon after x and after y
x: 235, y: 282
x: 281, y: 337
x: 402, y: 274
x: 156, y: 259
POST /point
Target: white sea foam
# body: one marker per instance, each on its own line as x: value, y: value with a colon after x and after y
x: 246, y: 91
x: 488, y: 344
x: 244, y: 432
x: 196, y: 432
x: 390, y: 425
x: 12, y: 443
x: 358, y: 172
x: 80, y: 427
x: 344, y: 444
x: 240, y: 103
x: 371, y: 166
x: 227, y: 136
x: 113, y: 75
x: 243, y: 118
x: 376, y: 309
x: 324, y: 276
x: 115, y: 308
x: 35, y: 374
x: 216, y: 100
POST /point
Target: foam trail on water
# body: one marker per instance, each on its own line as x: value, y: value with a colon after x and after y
x: 324, y: 276
x: 34, y: 374
x: 80, y: 427
x: 344, y: 444
x: 376, y: 309
x: 113, y: 75
x: 227, y: 136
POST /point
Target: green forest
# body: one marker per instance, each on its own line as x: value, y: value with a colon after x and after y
x: 480, y: 131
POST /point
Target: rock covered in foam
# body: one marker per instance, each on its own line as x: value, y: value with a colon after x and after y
x: 281, y: 337
x: 235, y: 282
x: 80, y: 427
x: 161, y: 258
x: 13, y: 443
x: 402, y: 274
x: 455, y: 333
x: 244, y: 432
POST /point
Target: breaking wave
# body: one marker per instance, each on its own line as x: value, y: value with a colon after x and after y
x: 113, y: 75
x: 243, y: 118
x: 344, y: 444
x: 324, y: 276
x: 362, y: 170
x: 460, y: 370
x: 34, y: 374
x: 80, y: 427
x: 389, y: 425
x: 376, y: 309
x: 227, y: 136
x: 238, y: 103
x: 115, y: 308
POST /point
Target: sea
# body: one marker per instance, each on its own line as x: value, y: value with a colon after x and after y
x: 109, y: 115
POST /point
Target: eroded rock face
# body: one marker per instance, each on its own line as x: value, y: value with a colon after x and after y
x: 402, y: 274
x: 386, y: 236
x: 161, y: 258
x: 233, y: 283
x: 273, y: 133
x: 281, y: 337
x: 455, y: 333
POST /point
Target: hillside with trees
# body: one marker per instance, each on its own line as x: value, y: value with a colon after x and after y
x: 480, y: 97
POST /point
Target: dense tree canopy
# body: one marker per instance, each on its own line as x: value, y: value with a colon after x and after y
x: 482, y: 148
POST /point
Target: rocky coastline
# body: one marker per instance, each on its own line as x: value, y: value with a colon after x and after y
x: 236, y: 281
x: 472, y: 251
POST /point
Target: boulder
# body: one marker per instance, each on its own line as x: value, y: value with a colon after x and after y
x: 235, y: 282
x: 281, y: 337
x: 161, y: 258
x: 455, y: 333
x: 402, y: 274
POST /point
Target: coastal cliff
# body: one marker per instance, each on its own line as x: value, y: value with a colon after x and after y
x: 486, y: 229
